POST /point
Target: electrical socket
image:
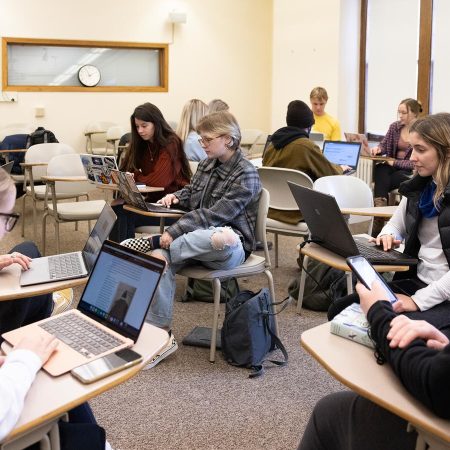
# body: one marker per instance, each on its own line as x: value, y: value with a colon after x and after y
x: 9, y: 97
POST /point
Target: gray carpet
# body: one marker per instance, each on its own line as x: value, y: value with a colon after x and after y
x: 188, y: 403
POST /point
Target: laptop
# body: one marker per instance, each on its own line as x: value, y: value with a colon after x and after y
x: 132, y: 196
x: 359, y: 137
x: 98, y: 168
x: 328, y: 227
x: 343, y: 153
x: 66, y: 266
x: 110, y: 314
x: 8, y: 167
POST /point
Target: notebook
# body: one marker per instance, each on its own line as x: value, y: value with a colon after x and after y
x: 98, y: 168
x: 362, y: 138
x: 132, y: 196
x: 66, y: 266
x: 343, y: 153
x: 8, y: 166
x: 110, y: 314
x: 328, y: 227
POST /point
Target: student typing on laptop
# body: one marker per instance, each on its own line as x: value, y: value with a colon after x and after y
x: 422, y: 220
x: 156, y: 158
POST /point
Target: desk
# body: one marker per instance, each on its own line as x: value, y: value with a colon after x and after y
x: 376, y: 211
x: 354, y: 365
x: 332, y: 259
x: 11, y: 290
x: 142, y: 190
x: 364, y: 170
x: 162, y: 216
x: 49, y: 397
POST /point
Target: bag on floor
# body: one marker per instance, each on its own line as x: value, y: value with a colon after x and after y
x: 248, y: 331
x: 202, y: 290
x: 40, y: 136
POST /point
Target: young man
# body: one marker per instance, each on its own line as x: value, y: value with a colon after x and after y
x: 324, y: 123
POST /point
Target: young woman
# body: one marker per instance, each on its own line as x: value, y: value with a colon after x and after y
x: 192, y: 112
x: 396, y: 144
x: 217, y: 105
x: 219, y: 229
x: 422, y: 220
x: 156, y: 158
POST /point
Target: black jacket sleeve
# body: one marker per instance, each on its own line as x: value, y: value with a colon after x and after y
x: 424, y: 372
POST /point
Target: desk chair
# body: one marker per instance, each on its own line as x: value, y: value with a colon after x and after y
x: 254, y: 265
x: 275, y: 179
x: 113, y: 136
x: 251, y: 139
x: 66, y: 176
x: 95, y: 133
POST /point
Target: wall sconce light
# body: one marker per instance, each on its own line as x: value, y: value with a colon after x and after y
x: 176, y: 17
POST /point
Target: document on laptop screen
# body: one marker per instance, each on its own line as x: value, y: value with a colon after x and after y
x: 341, y: 153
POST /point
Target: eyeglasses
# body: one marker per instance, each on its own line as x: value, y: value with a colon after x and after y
x: 206, y: 140
x: 11, y: 220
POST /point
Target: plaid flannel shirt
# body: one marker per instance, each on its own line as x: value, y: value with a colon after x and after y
x: 221, y: 195
x: 389, y: 146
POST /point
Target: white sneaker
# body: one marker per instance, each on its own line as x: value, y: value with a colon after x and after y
x: 170, y: 348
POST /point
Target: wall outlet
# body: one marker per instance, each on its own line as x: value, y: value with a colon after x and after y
x: 9, y: 97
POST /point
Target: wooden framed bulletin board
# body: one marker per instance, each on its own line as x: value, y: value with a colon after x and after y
x: 101, y: 66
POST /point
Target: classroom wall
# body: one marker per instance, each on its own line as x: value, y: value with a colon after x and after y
x: 224, y: 50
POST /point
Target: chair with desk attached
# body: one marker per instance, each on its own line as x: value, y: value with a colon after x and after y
x: 95, y: 133
x: 253, y: 141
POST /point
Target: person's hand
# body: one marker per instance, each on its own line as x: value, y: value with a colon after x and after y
x: 165, y: 240
x: 169, y: 199
x: 2, y: 360
x: 389, y: 163
x: 404, y: 304
x: 15, y: 258
x: 42, y: 345
x: 404, y: 330
x: 345, y: 168
x: 387, y: 241
x: 368, y: 297
x: 374, y: 151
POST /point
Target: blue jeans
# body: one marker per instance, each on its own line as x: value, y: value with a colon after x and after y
x: 191, y: 248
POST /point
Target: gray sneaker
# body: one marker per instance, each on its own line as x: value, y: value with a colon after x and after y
x: 170, y: 348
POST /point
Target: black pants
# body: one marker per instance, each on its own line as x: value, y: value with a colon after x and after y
x: 346, y: 421
x: 387, y: 178
x: 16, y: 313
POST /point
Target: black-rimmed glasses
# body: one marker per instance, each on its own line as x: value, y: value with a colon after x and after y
x: 11, y: 220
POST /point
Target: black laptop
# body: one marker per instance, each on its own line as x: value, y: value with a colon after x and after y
x: 328, y: 228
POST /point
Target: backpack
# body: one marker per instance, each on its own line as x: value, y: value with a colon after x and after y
x: 40, y: 136
x: 202, y: 290
x: 247, y: 332
x: 15, y: 141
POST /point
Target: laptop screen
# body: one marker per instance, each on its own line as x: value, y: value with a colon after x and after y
x: 342, y: 153
x: 98, y: 235
x: 121, y: 288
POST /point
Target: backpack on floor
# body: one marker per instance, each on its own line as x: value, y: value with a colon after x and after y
x: 202, y: 290
x: 16, y: 142
x: 40, y: 136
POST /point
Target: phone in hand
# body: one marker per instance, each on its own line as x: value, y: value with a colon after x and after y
x: 107, y: 365
x: 366, y: 274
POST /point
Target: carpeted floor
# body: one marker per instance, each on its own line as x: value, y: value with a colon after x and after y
x: 188, y: 403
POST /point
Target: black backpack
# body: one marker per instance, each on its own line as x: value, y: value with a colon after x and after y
x: 40, y: 136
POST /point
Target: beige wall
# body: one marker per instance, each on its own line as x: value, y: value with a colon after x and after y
x: 224, y: 50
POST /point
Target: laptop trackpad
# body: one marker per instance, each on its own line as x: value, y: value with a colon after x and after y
x: 37, y: 273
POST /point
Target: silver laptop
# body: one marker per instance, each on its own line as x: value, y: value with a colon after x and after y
x: 98, y: 168
x: 110, y: 314
x: 8, y: 167
x: 343, y: 153
x: 75, y: 264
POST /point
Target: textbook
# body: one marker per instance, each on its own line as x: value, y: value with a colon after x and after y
x: 351, y: 323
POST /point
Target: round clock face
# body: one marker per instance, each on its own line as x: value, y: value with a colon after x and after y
x: 89, y: 75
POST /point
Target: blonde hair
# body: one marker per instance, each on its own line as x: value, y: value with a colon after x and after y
x: 435, y: 131
x: 217, y: 105
x: 6, y: 184
x: 221, y: 123
x: 192, y: 112
x: 319, y: 93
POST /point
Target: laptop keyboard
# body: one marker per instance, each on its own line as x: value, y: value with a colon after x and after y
x: 61, y: 266
x: 371, y: 252
x: 81, y: 335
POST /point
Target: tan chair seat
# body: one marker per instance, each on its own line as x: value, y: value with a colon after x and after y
x: 89, y: 210
x: 274, y: 225
x: 39, y: 192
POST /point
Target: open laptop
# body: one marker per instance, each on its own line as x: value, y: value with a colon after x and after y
x: 132, y: 196
x: 359, y: 137
x: 66, y: 266
x: 328, y: 227
x: 110, y: 314
x: 343, y: 153
x: 98, y: 168
x: 8, y: 167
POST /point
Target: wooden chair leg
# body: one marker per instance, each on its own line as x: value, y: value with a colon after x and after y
x: 23, y: 215
x: 44, y: 232
x: 216, y: 290
x: 34, y: 219
x: 57, y: 235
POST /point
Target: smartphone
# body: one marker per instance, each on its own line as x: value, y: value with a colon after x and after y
x: 366, y: 274
x: 109, y: 364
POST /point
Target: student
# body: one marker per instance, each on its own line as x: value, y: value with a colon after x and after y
x: 19, y: 368
x: 423, y: 220
x: 192, y: 112
x: 324, y: 123
x: 291, y: 148
x: 156, y: 158
x: 217, y: 105
x: 219, y: 230
x: 388, y: 175
x: 419, y: 355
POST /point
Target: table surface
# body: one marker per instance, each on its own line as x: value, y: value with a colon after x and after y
x: 377, y: 158
x: 354, y: 365
x: 375, y: 211
x: 14, y: 150
x: 50, y: 396
x: 143, y: 189
x: 149, y: 213
x: 11, y: 290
